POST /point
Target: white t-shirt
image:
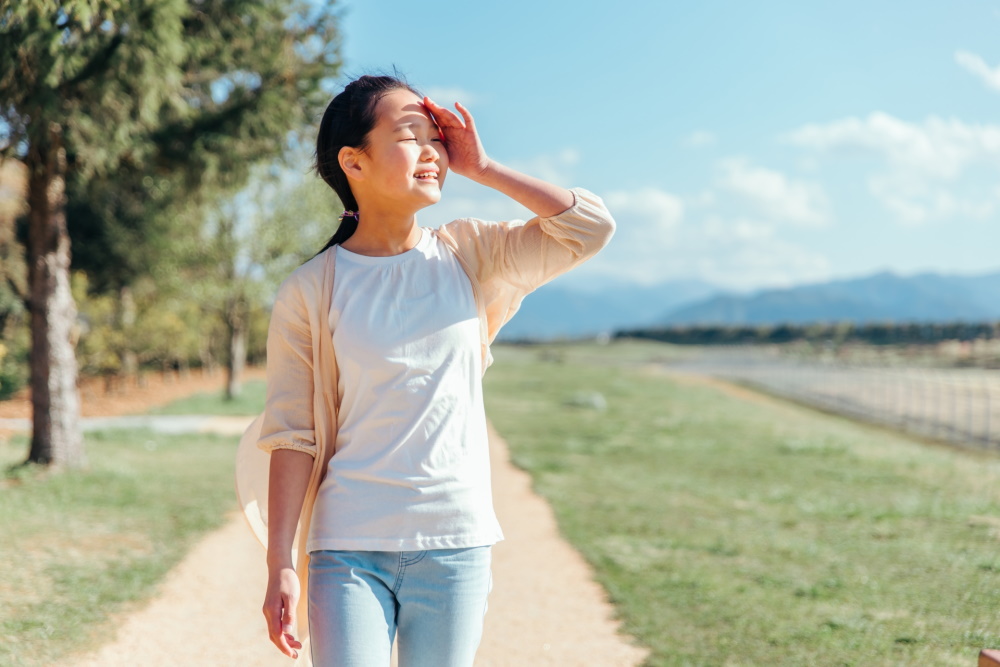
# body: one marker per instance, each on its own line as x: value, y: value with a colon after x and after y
x: 411, y: 465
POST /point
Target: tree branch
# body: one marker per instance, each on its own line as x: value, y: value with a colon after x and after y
x: 97, y: 65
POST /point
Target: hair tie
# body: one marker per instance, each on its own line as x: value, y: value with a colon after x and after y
x: 349, y: 214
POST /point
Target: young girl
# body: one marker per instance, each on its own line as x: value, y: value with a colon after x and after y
x: 374, y: 417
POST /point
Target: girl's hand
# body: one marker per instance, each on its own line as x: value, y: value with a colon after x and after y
x: 280, y: 603
x: 466, y: 155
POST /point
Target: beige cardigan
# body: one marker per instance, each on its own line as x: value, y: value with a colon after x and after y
x: 504, y: 262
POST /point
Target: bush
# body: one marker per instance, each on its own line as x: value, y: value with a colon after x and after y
x: 14, y: 371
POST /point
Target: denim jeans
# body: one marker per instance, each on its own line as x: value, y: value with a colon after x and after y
x: 435, y: 600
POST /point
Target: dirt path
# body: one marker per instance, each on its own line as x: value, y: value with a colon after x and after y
x: 545, y: 608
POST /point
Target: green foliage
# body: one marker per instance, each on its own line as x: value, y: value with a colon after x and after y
x: 14, y: 360
x: 101, y: 344
x: 247, y: 245
x: 14, y: 337
x: 252, y: 73
x: 102, y: 69
x: 727, y: 526
x: 167, y: 107
x: 168, y: 329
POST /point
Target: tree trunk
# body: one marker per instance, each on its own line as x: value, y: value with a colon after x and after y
x: 56, y: 438
x: 237, y: 354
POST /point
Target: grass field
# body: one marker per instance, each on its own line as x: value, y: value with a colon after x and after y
x: 740, y: 530
x: 80, y: 547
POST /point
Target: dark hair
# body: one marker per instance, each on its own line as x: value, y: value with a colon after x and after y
x: 348, y: 119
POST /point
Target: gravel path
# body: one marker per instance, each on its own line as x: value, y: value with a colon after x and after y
x: 545, y: 608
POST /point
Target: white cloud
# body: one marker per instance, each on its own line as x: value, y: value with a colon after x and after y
x: 660, y: 211
x: 975, y: 64
x: 741, y: 229
x: 913, y: 202
x: 938, y: 147
x: 648, y: 222
x: 700, y: 139
x: 746, y: 254
x: 704, y: 199
x: 773, y: 194
x: 552, y: 167
x: 925, y: 162
x: 658, y: 241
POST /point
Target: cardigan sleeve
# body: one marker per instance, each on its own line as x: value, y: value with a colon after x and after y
x: 532, y: 253
x: 288, y: 421
x: 511, y: 259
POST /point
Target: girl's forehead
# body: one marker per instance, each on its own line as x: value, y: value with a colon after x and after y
x: 401, y: 107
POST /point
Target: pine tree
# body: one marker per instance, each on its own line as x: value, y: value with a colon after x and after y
x: 186, y: 92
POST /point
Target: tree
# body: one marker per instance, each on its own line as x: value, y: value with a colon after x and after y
x: 186, y: 92
x: 253, y: 71
x: 98, y: 76
x: 249, y: 243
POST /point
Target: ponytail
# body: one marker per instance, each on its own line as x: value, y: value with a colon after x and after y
x: 348, y: 225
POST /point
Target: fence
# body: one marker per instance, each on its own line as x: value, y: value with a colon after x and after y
x: 954, y: 404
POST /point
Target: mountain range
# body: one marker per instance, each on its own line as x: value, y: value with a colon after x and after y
x: 553, y: 311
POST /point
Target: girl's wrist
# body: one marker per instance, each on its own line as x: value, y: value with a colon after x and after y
x: 275, y: 568
x: 488, y: 174
x: 279, y: 560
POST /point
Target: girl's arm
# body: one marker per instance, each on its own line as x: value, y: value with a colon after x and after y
x: 467, y: 157
x: 289, y: 476
x: 569, y: 227
x: 288, y: 433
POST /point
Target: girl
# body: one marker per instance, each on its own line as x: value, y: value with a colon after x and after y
x: 374, y: 417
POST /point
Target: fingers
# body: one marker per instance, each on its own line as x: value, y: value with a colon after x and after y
x: 442, y: 115
x: 466, y: 115
x: 288, y: 619
x: 280, y: 623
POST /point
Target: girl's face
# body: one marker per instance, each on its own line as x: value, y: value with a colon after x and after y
x: 405, y: 160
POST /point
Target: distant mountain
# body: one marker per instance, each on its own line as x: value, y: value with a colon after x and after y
x: 553, y: 311
x: 883, y: 297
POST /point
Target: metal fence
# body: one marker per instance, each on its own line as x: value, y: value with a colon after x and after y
x: 953, y: 404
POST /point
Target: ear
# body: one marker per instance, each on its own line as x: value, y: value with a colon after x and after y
x: 350, y: 162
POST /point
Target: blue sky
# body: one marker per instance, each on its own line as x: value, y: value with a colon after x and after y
x: 746, y: 144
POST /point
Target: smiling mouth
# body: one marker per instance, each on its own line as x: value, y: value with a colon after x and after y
x: 426, y: 176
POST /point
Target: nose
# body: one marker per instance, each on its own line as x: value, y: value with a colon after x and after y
x: 430, y: 154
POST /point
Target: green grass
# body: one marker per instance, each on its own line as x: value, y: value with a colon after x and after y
x: 752, y: 532
x: 78, y: 547
x: 249, y: 402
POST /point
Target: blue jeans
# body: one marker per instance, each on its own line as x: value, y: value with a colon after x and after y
x: 435, y: 600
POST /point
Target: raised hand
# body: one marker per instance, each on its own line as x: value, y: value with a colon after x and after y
x: 466, y: 155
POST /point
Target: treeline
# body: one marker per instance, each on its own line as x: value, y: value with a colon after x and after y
x: 912, y: 333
